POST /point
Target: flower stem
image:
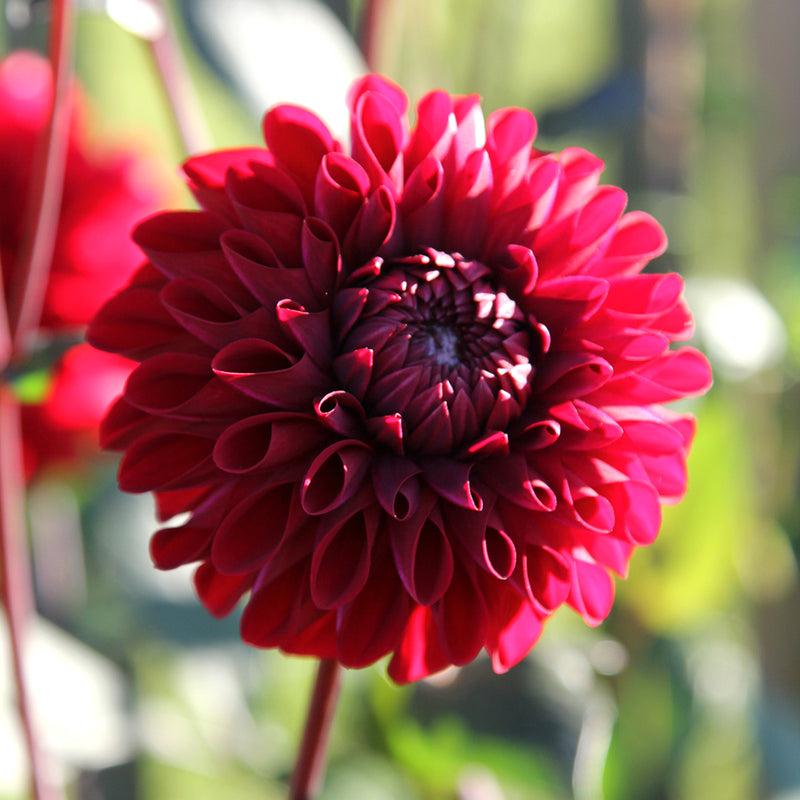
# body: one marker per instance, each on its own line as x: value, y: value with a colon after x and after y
x: 17, y: 586
x: 370, y: 28
x: 310, y: 765
x: 182, y: 98
x: 27, y: 291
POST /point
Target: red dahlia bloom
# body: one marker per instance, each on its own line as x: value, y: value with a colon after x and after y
x: 410, y: 395
x: 93, y: 256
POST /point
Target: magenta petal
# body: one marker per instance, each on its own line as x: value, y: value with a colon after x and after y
x: 434, y: 130
x: 341, y: 186
x: 334, y: 476
x: 468, y: 206
x: 591, y: 591
x: 567, y: 375
x: 341, y: 561
x: 637, y: 510
x: 378, y: 136
x: 299, y: 140
x: 321, y: 257
x: 419, y: 653
x: 518, y: 270
x: 514, y: 639
x: 546, y: 576
x: 422, y: 205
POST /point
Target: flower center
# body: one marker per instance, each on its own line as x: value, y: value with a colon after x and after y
x: 443, y: 344
x: 440, y: 345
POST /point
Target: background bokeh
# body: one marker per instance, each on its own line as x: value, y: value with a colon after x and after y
x: 691, y: 689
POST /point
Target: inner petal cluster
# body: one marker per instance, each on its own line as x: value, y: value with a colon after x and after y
x: 439, y: 348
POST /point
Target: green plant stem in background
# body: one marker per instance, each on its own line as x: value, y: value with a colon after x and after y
x: 310, y: 765
x: 17, y: 588
x: 20, y: 319
x: 176, y: 82
x: 29, y: 283
x: 370, y: 30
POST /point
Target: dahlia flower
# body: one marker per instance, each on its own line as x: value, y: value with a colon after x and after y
x: 409, y: 396
x: 93, y: 256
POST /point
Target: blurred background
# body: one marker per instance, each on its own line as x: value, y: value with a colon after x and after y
x: 691, y: 689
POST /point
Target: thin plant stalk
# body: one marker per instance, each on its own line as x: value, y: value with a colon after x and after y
x: 26, y: 294
x: 182, y: 98
x: 311, y: 759
x: 370, y: 30
x: 20, y: 319
x: 17, y: 589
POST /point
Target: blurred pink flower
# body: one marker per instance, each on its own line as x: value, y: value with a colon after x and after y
x: 411, y: 395
x: 104, y: 195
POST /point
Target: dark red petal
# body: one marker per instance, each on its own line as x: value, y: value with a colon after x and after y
x: 334, y: 476
x: 166, y: 461
x: 253, y: 530
x: 310, y: 329
x: 206, y: 177
x: 133, y: 323
x: 173, y: 547
x: 342, y: 413
x: 261, y: 271
x: 397, y: 486
x: 267, y: 441
x: 423, y: 554
x: 512, y: 478
x: 451, y: 480
x: 462, y: 619
x: 219, y: 593
x: 340, y: 565
x: 263, y: 371
x: 370, y: 626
